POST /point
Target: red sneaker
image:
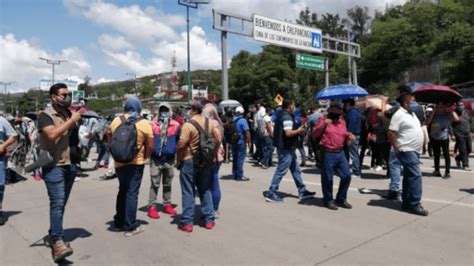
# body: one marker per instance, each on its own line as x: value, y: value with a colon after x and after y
x: 185, y: 228
x: 210, y: 225
x: 169, y: 209
x: 153, y: 213
x: 37, y: 177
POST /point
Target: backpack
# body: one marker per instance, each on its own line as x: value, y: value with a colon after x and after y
x: 231, y: 134
x: 207, y: 150
x: 124, y: 141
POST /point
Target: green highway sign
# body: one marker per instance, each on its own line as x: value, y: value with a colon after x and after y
x: 310, y: 62
x: 78, y: 95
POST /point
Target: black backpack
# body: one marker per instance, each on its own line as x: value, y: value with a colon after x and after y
x: 207, y: 150
x: 124, y: 141
x: 231, y: 134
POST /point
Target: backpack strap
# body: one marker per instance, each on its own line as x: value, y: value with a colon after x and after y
x: 198, y: 127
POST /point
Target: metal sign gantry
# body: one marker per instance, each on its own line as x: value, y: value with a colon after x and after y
x: 242, y: 25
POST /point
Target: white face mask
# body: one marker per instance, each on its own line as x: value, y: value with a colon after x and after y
x: 164, y: 115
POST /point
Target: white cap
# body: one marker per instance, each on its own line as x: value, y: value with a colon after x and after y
x: 239, y: 110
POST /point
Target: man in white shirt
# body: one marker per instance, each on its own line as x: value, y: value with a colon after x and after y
x: 406, y: 136
x: 266, y: 131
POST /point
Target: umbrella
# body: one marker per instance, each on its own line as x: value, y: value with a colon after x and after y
x: 32, y: 115
x: 436, y: 94
x: 229, y: 103
x: 90, y: 114
x: 415, y: 85
x: 341, y: 91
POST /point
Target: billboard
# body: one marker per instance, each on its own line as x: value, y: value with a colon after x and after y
x: 287, y: 34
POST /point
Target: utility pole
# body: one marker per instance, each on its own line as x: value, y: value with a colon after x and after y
x: 327, y: 71
x: 349, y: 63
x: 53, y: 63
x: 225, y: 79
x: 193, y: 4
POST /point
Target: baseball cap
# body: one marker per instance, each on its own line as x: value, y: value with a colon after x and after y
x: 239, y: 110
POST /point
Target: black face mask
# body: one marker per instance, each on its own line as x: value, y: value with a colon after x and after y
x: 334, y: 116
x: 65, y: 101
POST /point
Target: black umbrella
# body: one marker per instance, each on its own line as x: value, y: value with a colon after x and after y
x: 32, y: 115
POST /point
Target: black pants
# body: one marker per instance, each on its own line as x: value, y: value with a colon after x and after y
x: 437, y: 146
x: 363, y: 148
x: 375, y: 154
x: 464, y: 146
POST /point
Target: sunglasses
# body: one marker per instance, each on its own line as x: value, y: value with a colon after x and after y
x: 64, y: 95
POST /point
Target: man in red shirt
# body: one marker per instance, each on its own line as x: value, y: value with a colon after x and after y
x: 332, y: 130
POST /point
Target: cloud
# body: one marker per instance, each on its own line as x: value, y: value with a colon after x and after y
x: 114, y: 43
x: 131, y: 21
x: 290, y: 9
x: 20, y: 63
x: 134, y: 31
x: 102, y: 80
x: 204, y: 55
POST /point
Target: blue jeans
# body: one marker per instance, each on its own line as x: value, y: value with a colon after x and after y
x: 267, y: 151
x: 259, y: 146
x: 335, y: 163
x: 191, y: 177
x: 59, y: 181
x: 103, y: 157
x: 287, y: 160
x: 130, y: 178
x: 411, y: 186
x: 352, y: 153
x: 3, y: 174
x: 216, y: 190
x: 238, y: 151
x: 395, y: 168
x: 301, y: 148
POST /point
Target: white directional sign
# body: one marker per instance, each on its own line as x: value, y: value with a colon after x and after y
x: 287, y: 34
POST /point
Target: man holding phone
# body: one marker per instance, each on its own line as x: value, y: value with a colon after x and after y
x: 55, y: 126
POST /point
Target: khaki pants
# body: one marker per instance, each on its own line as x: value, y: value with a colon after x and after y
x: 160, y: 172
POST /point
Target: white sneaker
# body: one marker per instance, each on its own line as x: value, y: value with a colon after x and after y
x: 378, y: 168
x: 77, y: 179
x: 137, y: 231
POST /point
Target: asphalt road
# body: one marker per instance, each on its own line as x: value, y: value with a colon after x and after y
x: 250, y: 230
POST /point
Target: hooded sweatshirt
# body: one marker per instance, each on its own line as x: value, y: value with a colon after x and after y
x: 165, y: 134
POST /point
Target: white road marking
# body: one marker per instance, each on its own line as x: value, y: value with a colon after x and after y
x: 446, y: 202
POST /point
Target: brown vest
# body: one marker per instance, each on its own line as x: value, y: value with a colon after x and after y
x: 59, y: 149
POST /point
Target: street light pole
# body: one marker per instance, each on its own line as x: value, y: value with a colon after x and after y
x: 53, y: 63
x: 193, y: 4
x: 189, y: 55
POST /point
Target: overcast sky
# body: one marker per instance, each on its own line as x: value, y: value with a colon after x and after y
x: 107, y: 39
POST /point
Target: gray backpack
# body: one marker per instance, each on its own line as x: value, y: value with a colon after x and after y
x: 207, y: 150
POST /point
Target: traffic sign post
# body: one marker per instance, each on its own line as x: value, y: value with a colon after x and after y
x: 310, y: 62
x: 77, y: 96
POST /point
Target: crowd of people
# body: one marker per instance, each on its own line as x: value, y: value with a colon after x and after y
x: 199, y: 141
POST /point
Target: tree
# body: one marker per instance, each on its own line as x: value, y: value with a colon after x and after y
x: 359, y: 21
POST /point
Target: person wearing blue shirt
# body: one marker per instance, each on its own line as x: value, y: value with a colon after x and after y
x: 353, y: 122
x: 239, y: 149
x: 7, y: 138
